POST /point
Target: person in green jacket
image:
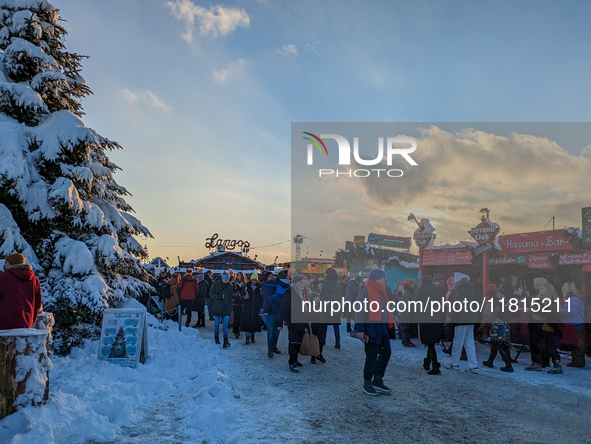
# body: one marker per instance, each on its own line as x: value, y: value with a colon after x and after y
x: 221, y: 296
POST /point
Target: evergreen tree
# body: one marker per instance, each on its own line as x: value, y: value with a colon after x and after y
x: 68, y: 215
x: 119, y: 349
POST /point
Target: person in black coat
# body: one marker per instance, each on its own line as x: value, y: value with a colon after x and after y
x: 292, y: 303
x: 209, y: 283
x: 431, y: 327
x: 251, y: 321
x: 331, y: 291
x: 199, y: 301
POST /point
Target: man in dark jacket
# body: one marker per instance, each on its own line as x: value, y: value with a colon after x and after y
x: 431, y: 327
x: 20, y: 294
x: 221, y: 295
x: 292, y: 303
x: 464, y: 320
x: 272, y: 291
x: 372, y: 328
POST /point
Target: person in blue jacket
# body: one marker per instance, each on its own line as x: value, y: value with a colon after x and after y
x: 372, y: 328
x: 272, y: 291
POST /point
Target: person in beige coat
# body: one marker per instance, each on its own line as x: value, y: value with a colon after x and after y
x: 171, y: 304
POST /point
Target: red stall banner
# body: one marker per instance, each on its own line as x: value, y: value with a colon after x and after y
x: 447, y: 256
x: 539, y: 261
x: 539, y: 241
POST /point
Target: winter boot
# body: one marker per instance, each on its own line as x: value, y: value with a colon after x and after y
x: 435, y: 370
x: 293, y: 368
x: 217, y: 340
x: 321, y: 358
x: 349, y: 327
x: 252, y: 339
x: 312, y: 359
x: 277, y: 351
x: 226, y: 344
x: 270, y: 354
x: 247, y: 340
x: 237, y: 335
x: 337, y: 345
x: 378, y: 385
x: 426, y: 363
x: 534, y: 367
x: 368, y: 389
x: 556, y: 370
x: 298, y: 364
x: 488, y: 364
x: 508, y: 368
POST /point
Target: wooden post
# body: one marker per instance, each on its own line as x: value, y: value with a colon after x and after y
x: 24, y: 366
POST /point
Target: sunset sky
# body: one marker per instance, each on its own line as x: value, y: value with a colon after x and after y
x: 202, y: 97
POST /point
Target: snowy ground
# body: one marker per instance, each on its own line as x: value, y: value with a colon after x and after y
x: 191, y: 391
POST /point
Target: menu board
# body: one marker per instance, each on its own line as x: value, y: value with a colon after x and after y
x: 124, y: 338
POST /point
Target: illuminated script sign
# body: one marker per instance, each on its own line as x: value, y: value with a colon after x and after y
x: 213, y: 242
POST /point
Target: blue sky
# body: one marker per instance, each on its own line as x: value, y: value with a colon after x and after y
x: 205, y: 121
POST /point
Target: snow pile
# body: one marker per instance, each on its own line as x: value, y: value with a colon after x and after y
x: 183, y: 387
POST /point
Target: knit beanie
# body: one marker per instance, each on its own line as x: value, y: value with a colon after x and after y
x: 15, y: 259
x: 254, y: 276
x: 376, y: 274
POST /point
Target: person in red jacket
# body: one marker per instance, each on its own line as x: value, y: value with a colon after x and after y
x: 188, y: 290
x: 20, y: 294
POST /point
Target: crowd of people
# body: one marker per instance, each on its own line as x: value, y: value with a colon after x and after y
x: 251, y: 304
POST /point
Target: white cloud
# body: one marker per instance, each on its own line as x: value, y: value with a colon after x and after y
x: 214, y: 21
x: 288, y: 51
x: 232, y: 72
x: 147, y: 98
x: 128, y: 95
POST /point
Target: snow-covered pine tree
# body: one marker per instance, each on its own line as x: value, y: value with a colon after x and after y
x: 59, y: 202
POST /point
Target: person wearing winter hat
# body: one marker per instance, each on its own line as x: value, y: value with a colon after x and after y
x: 20, y: 294
x: 292, y: 303
x: 221, y: 295
x: 251, y: 321
x: 464, y: 290
x: 272, y: 291
x: 199, y: 302
x: 188, y: 290
x: 431, y: 324
x: 500, y: 331
x: 372, y: 328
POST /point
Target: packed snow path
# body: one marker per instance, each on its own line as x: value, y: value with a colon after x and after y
x: 324, y: 402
